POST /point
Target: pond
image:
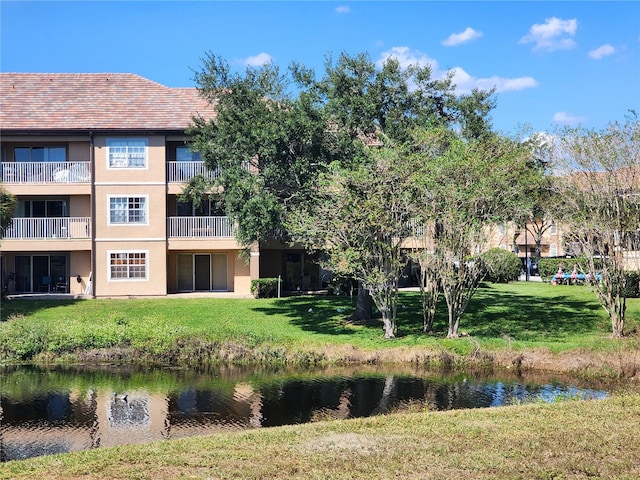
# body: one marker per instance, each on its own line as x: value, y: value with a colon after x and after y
x: 53, y: 410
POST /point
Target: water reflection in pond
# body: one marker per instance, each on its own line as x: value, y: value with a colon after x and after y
x: 46, y: 411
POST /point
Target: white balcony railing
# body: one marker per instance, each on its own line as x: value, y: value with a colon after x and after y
x: 200, y: 227
x: 182, y: 172
x: 48, y: 228
x: 45, y: 172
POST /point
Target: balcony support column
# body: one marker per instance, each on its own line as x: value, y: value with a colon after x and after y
x: 254, y: 262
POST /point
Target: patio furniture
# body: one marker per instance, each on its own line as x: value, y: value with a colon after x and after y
x: 45, y: 285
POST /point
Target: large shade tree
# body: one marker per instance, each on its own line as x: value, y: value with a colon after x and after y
x: 598, y: 185
x: 275, y: 133
x: 267, y: 144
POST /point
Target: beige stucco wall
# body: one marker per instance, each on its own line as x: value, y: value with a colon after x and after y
x: 154, y: 172
x: 80, y: 206
x: 154, y: 284
x: 79, y: 264
x: 156, y: 225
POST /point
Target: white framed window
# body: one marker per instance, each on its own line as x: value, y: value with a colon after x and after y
x: 553, y: 230
x: 128, y: 265
x: 128, y: 210
x: 127, y: 152
x: 553, y: 250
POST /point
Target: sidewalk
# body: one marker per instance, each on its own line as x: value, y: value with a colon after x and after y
x: 532, y: 278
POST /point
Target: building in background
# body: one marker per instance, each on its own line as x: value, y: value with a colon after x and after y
x: 97, y: 163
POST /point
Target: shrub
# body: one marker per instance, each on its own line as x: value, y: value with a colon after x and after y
x: 264, y: 287
x: 502, y: 266
x: 632, y: 289
x: 548, y: 267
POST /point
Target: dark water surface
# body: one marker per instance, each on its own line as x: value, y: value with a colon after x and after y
x: 46, y: 411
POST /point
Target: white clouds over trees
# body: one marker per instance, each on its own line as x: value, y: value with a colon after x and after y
x: 257, y: 60
x: 568, y: 118
x: 464, y: 81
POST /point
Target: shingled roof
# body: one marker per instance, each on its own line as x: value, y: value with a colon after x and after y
x: 94, y: 101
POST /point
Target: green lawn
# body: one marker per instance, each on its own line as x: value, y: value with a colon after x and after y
x: 515, y: 316
x: 598, y: 439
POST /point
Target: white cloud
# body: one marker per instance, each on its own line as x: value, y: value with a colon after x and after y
x: 463, y: 37
x: 343, y: 9
x: 257, y: 60
x: 602, y: 51
x: 464, y: 82
x: 407, y: 56
x: 568, y: 118
x: 554, y: 34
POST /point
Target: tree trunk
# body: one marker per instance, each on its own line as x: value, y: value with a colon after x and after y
x: 429, y: 293
x: 454, y: 323
x: 363, y: 305
x: 617, y: 324
x: 389, y: 327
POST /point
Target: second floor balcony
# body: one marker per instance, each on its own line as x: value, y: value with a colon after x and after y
x: 200, y: 227
x: 59, y: 228
x: 45, y: 172
x: 182, y: 172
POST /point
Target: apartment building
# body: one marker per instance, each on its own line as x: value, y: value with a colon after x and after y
x: 97, y: 163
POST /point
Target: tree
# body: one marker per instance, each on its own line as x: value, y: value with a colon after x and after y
x: 422, y: 243
x: 383, y: 106
x: 7, y: 206
x: 467, y: 185
x: 271, y: 143
x: 360, y: 219
x: 535, y: 214
x: 598, y: 186
x: 267, y: 144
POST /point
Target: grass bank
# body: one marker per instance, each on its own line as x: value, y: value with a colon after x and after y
x: 520, y: 325
x: 598, y: 439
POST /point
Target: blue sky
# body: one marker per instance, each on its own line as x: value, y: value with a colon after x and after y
x: 553, y: 63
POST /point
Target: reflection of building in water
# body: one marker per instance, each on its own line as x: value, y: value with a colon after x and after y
x: 128, y: 412
x: 138, y: 417
x: 56, y: 422
x: 76, y: 420
x: 194, y: 411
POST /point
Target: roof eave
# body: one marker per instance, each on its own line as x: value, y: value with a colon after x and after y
x: 89, y: 131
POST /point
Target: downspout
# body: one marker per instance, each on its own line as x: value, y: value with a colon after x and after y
x: 92, y: 160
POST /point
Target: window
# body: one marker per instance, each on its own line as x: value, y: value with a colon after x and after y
x: 127, y: 265
x: 125, y: 210
x: 553, y: 230
x: 42, y: 208
x: 127, y: 153
x: 40, y: 154
x: 208, y: 207
x: 553, y: 250
x: 184, y: 154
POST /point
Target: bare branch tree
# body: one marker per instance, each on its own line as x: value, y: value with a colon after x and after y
x: 599, y: 192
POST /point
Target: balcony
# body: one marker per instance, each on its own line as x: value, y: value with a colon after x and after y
x: 200, y: 227
x: 45, y: 172
x: 59, y: 228
x: 182, y: 172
